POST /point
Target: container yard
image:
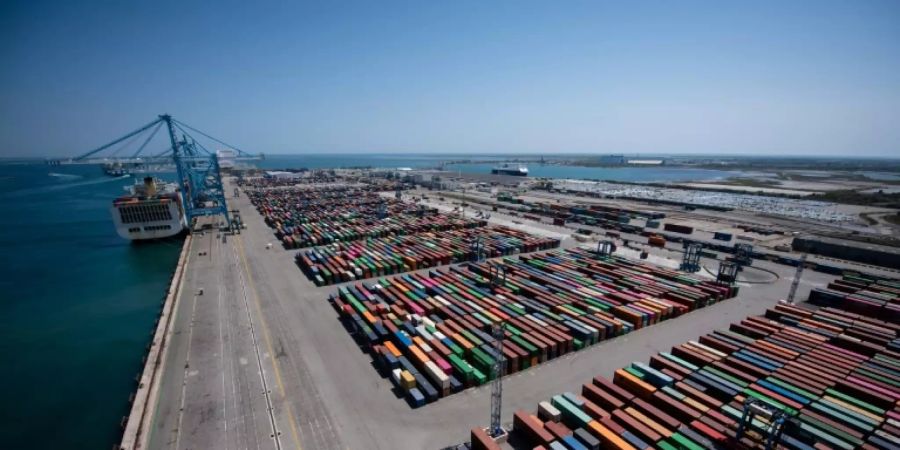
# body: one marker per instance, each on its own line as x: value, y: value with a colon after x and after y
x: 318, y: 216
x: 340, y: 262
x: 432, y: 332
x: 831, y: 376
x: 403, y: 354
x: 359, y: 234
x: 863, y: 294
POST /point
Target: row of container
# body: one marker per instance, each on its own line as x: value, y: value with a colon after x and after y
x: 341, y: 262
x: 295, y: 179
x: 436, y: 327
x: 289, y: 197
x: 312, y: 217
x: 830, y: 372
x: 865, y: 294
x: 326, y: 231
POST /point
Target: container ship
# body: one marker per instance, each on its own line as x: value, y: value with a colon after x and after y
x: 516, y: 170
x: 151, y: 210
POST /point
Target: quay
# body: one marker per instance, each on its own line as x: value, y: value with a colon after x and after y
x: 260, y: 360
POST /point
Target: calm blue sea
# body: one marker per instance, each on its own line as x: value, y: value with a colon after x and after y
x: 78, y: 304
x: 77, y: 307
x: 631, y: 174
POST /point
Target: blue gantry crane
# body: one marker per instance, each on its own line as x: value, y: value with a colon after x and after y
x: 773, y: 427
x: 198, y: 169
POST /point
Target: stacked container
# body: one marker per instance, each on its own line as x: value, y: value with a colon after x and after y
x: 341, y: 262
x: 317, y: 216
x: 437, y: 326
x: 867, y: 294
x: 833, y: 373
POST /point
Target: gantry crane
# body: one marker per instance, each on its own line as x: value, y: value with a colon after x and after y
x: 199, y: 173
x: 796, y: 283
x: 497, y: 274
x: 496, y: 430
x: 773, y: 427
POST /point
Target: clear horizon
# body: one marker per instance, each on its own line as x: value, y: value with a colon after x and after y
x: 534, y: 155
x: 809, y: 78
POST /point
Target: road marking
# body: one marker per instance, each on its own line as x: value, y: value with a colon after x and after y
x: 270, y: 407
x: 222, y: 359
x: 294, y: 434
x: 187, y: 363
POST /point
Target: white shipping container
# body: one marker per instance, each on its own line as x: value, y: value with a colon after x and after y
x: 536, y: 320
x: 548, y: 412
x: 442, y: 300
x: 424, y: 333
x: 437, y: 375
x: 708, y: 349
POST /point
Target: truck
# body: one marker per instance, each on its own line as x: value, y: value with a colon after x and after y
x: 656, y: 241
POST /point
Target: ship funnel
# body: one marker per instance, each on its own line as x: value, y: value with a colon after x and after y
x: 150, y: 186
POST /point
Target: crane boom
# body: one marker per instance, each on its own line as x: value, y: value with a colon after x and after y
x: 199, y: 177
x: 129, y: 135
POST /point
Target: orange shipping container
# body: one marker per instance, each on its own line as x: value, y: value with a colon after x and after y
x: 633, y: 384
x: 607, y: 437
x: 419, y: 354
x: 392, y: 348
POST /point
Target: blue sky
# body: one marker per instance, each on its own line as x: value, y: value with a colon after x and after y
x: 813, y: 78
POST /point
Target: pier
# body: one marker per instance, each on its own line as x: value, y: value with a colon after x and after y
x: 254, y: 356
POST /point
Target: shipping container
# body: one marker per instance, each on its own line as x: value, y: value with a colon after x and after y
x: 835, y: 373
x: 721, y: 236
x: 341, y: 262
x: 438, y: 325
x: 305, y: 217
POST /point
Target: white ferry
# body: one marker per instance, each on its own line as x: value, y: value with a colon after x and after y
x: 151, y: 210
x: 516, y: 170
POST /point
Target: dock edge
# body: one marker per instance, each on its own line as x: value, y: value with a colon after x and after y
x: 143, y: 408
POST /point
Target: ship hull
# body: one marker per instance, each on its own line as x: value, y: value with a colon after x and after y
x: 514, y: 173
x: 148, y: 221
x: 149, y: 235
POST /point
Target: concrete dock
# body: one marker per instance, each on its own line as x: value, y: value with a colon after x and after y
x: 260, y: 360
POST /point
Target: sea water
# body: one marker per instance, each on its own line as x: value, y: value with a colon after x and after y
x: 483, y: 165
x: 77, y: 306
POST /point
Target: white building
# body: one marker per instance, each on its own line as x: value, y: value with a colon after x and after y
x: 226, y: 158
x: 280, y: 175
